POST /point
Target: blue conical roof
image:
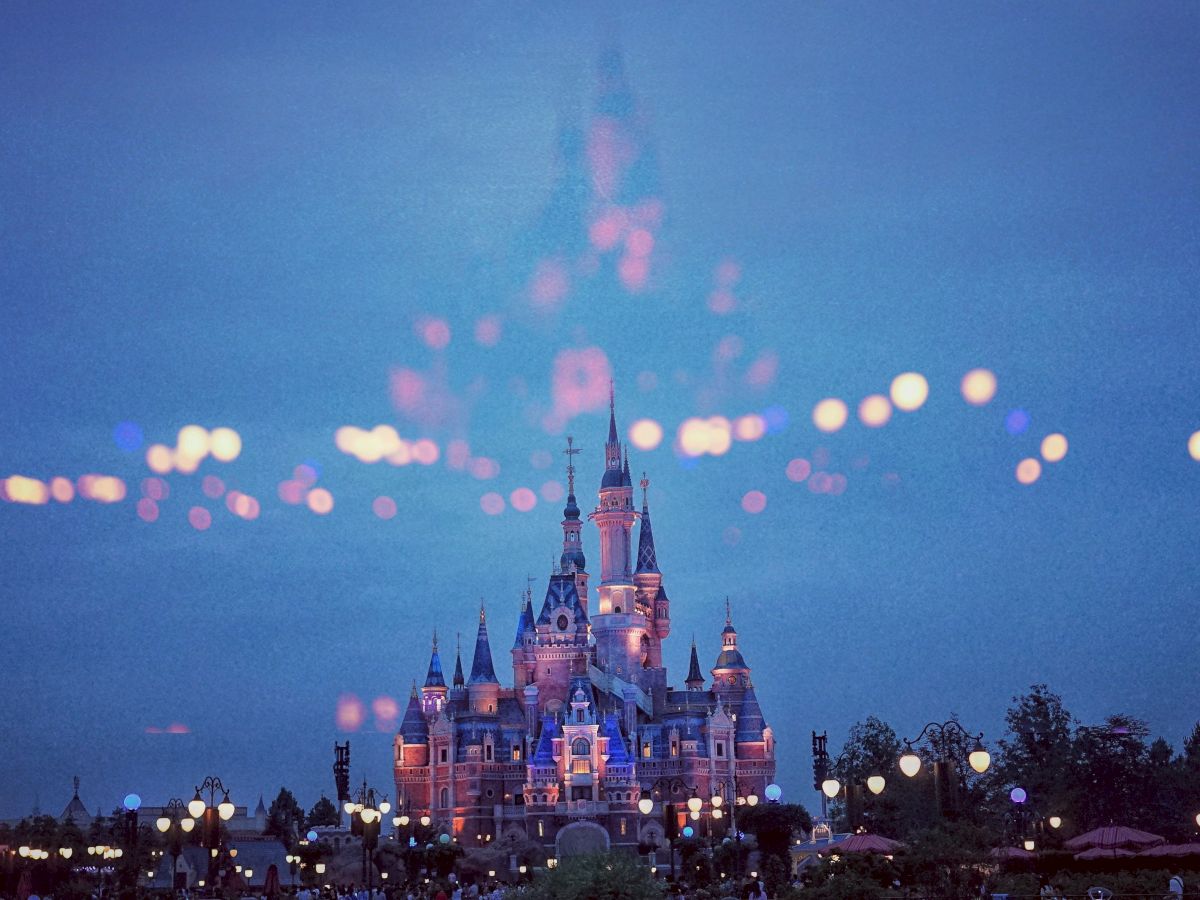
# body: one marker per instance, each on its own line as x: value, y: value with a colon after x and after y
x: 750, y: 722
x: 694, y: 674
x: 544, y: 754
x: 618, y: 753
x: 647, y: 559
x: 414, y: 729
x: 523, y: 624
x: 482, y: 671
x: 458, y: 672
x: 434, y: 677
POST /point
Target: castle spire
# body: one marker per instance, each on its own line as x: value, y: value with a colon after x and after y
x: 482, y: 671
x: 572, y: 554
x: 434, y: 677
x: 612, y: 447
x: 458, y: 672
x: 647, y: 559
x: 612, y: 413
x: 695, y: 679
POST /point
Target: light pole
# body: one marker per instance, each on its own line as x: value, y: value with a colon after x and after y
x: 940, y: 736
x: 830, y: 786
x: 211, y: 814
x: 366, y: 813
x: 175, y: 823
x: 670, y: 817
x: 725, y: 805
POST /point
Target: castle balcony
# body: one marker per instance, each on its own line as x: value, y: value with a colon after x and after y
x: 582, y: 808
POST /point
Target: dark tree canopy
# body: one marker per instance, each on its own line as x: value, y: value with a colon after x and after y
x: 285, y: 818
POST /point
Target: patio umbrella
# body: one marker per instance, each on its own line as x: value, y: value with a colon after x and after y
x: 271, y: 882
x: 25, y: 885
x: 864, y: 843
x: 1105, y: 853
x: 1192, y: 849
x: 1114, y: 836
x: 1012, y: 853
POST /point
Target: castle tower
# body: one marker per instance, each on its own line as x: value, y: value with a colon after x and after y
x: 483, y: 689
x: 695, y: 678
x: 522, y: 648
x: 620, y: 629
x: 735, y: 691
x: 651, y: 598
x: 572, y: 560
x: 433, y: 694
x: 412, y: 740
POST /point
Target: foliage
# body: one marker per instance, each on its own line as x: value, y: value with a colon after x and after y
x: 324, y: 812
x: 608, y: 876
x: 774, y: 825
x: 285, y: 818
x: 945, y: 861
x: 852, y: 876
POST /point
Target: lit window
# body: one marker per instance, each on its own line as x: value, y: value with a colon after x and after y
x: 541, y: 828
x: 622, y: 826
x: 581, y: 766
x: 646, y: 750
x: 516, y: 755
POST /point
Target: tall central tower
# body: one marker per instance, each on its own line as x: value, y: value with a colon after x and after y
x: 620, y: 628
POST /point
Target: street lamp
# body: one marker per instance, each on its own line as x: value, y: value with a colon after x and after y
x: 940, y: 735
x: 175, y: 824
x: 210, y: 814
x: 366, y: 812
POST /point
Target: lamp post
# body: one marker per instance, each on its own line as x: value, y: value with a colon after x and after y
x: 940, y: 736
x: 175, y: 823
x: 669, y: 814
x: 366, y: 812
x: 830, y: 786
x: 726, y: 806
x: 211, y: 814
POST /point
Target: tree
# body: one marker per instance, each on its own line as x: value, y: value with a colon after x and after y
x: 322, y: 813
x: 1037, y: 753
x: 285, y: 818
x: 602, y: 876
x: 873, y: 748
x: 1111, y: 773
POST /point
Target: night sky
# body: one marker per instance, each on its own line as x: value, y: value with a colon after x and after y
x: 289, y: 219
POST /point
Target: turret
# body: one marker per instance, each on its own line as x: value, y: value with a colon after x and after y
x: 648, y: 580
x: 434, y: 692
x: 458, y: 684
x: 695, y: 679
x: 572, y: 560
x: 483, y: 688
x: 412, y: 740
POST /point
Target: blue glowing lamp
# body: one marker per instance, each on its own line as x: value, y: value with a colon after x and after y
x: 1018, y: 795
x: 773, y: 792
x: 132, y: 802
x: 688, y: 831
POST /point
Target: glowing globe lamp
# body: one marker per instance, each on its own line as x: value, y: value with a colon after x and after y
x: 774, y: 792
x: 646, y: 805
x: 979, y: 758
x: 876, y: 784
x: 910, y: 764
x: 830, y: 787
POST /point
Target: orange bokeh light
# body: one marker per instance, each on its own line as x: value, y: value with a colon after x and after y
x: 875, y: 411
x: 1028, y: 470
x: 830, y: 414
x: 645, y: 434
x: 1054, y: 447
x: 159, y: 458
x: 225, y: 444
x: 1194, y: 446
x: 909, y: 391
x: 320, y: 501
x: 61, y: 489
x: 749, y: 427
x: 979, y: 387
x: 20, y: 489
x: 350, y: 713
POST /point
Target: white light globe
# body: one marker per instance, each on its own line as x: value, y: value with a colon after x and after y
x: 910, y: 764
x: 876, y: 784
x: 773, y: 793
x: 646, y: 805
x: 830, y: 787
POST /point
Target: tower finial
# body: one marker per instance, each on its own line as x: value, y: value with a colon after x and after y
x: 570, y: 452
x: 435, y: 640
x: 728, y: 613
x: 76, y: 785
x: 482, y: 614
x: 645, y: 483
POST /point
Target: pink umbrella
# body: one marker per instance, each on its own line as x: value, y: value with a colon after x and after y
x: 864, y: 843
x: 1114, y: 836
x: 1173, y: 850
x: 1012, y: 853
x: 1105, y: 853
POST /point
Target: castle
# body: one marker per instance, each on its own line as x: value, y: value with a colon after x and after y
x: 590, y: 725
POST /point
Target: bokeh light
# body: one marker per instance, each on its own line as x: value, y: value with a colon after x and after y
x: 798, y: 469
x: 193, y: 442
x: 699, y: 436
x: 159, y: 458
x: 1029, y: 470
x: 979, y: 387
x: 20, y: 489
x: 225, y: 444
x: 61, y: 489
x: 754, y: 502
x: 101, y: 488
x: 875, y: 410
x: 523, y: 499
x: 147, y: 509
x: 580, y: 381
x: 434, y: 332
x: 306, y: 474
x: 488, y: 331
x: 320, y: 501
x: 425, y: 452
x: 212, y: 486
x: 350, y: 713
x: 128, y: 437
x: 199, y: 518
x: 1054, y: 447
x: 830, y: 414
x: 552, y: 491
x: 1018, y: 795
x: 386, y: 712
x: 483, y: 468
x: 909, y: 391
x: 1016, y: 422
x: 731, y: 536
x: 384, y: 507
x: 492, y: 503
x: 155, y: 488
x: 749, y: 427
x: 645, y: 434
x: 1194, y: 446
x: 291, y: 492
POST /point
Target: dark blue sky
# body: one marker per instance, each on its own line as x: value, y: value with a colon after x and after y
x: 245, y: 215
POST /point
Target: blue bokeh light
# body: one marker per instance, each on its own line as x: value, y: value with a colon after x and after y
x: 128, y: 437
x: 1016, y: 422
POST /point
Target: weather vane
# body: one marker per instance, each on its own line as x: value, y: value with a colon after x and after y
x: 570, y: 452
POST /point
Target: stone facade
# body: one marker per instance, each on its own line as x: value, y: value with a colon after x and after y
x: 590, y: 725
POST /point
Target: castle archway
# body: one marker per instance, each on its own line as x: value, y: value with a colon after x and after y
x: 579, y: 839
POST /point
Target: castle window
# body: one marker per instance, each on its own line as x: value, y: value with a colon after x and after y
x: 516, y: 752
x: 622, y: 825
x: 541, y: 828
x: 581, y: 747
x: 674, y: 748
x: 646, y: 750
x: 720, y: 748
x: 581, y: 766
x: 445, y: 795
x: 487, y: 752
x: 444, y: 755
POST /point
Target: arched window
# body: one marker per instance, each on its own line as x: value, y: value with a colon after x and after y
x: 445, y: 795
x: 581, y: 747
